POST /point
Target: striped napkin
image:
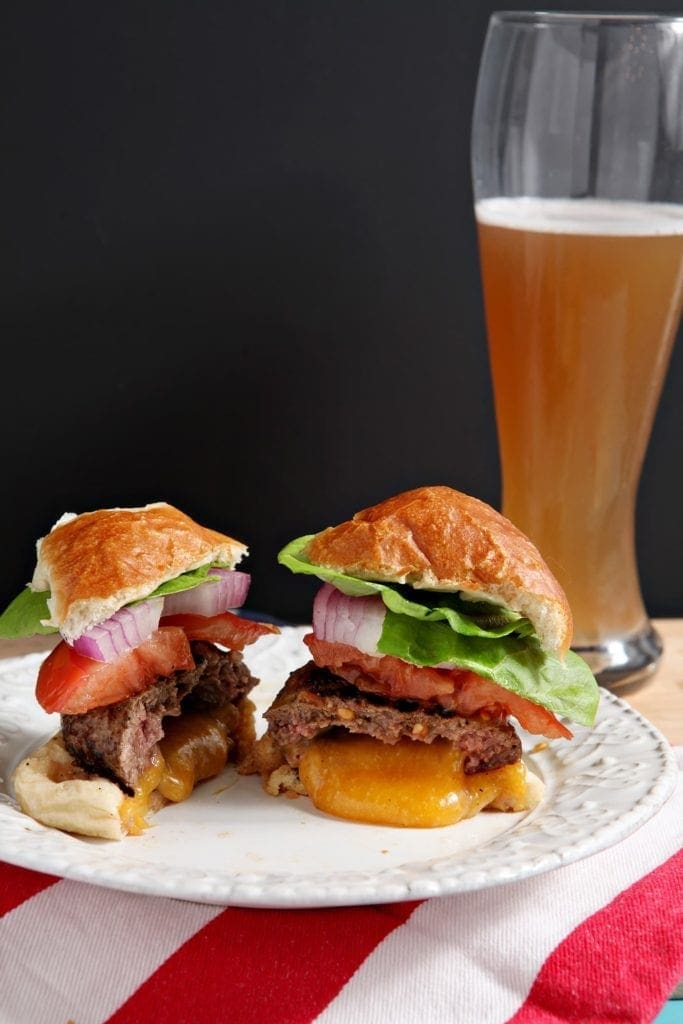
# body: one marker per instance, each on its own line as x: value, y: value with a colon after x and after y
x: 597, y: 941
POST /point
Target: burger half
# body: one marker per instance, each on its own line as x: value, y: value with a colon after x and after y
x: 437, y: 623
x: 148, y: 676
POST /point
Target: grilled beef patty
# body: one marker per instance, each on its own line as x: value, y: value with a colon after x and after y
x: 314, y: 699
x: 116, y: 741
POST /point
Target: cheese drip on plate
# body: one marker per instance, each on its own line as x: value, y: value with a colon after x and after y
x: 410, y: 784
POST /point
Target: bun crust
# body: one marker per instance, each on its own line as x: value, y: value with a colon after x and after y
x: 95, y: 563
x: 437, y: 538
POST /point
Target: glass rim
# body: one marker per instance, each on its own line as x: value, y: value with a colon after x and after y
x: 542, y: 17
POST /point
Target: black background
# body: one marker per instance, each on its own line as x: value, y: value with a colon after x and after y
x: 240, y: 274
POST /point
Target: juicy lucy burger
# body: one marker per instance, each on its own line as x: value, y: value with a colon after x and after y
x: 148, y: 676
x: 437, y: 623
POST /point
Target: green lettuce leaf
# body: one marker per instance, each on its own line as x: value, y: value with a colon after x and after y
x: 23, y: 615
x: 471, y: 618
x: 519, y: 664
x: 186, y: 581
x: 428, y: 628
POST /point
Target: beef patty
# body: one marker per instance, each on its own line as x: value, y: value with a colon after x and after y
x: 314, y: 700
x: 117, y: 741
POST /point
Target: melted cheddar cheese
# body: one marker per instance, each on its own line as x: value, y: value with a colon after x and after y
x: 417, y: 785
x: 195, y: 746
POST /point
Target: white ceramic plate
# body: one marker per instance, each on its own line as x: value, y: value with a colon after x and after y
x: 231, y: 844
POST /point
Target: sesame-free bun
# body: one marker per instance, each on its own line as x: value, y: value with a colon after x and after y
x: 95, y: 563
x: 437, y: 538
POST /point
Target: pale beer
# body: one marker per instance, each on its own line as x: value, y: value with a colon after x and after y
x: 582, y: 301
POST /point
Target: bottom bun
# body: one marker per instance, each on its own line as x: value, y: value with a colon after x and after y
x: 53, y: 789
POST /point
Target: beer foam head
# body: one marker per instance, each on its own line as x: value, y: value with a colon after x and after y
x: 581, y: 216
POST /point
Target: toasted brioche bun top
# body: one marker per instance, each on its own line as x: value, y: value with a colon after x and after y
x: 95, y: 563
x: 436, y: 538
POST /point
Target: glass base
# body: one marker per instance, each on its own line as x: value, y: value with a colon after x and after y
x: 624, y: 663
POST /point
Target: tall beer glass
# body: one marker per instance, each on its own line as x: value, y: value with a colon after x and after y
x: 577, y: 163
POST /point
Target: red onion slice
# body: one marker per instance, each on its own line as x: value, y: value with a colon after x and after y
x: 131, y: 626
x: 126, y: 629
x: 356, y: 621
x: 212, y: 597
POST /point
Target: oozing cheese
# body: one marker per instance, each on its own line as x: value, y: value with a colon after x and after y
x: 419, y: 785
x: 195, y: 746
x: 133, y: 810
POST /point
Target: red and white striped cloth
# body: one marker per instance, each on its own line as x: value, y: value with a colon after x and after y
x: 597, y: 941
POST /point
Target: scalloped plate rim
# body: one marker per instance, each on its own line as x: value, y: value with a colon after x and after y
x: 580, y: 803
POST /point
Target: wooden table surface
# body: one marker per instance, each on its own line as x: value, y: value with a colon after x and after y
x: 660, y: 698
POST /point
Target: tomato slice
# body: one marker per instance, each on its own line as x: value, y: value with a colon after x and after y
x: 72, y: 684
x: 476, y: 693
x: 399, y: 679
x: 461, y: 691
x: 229, y: 630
